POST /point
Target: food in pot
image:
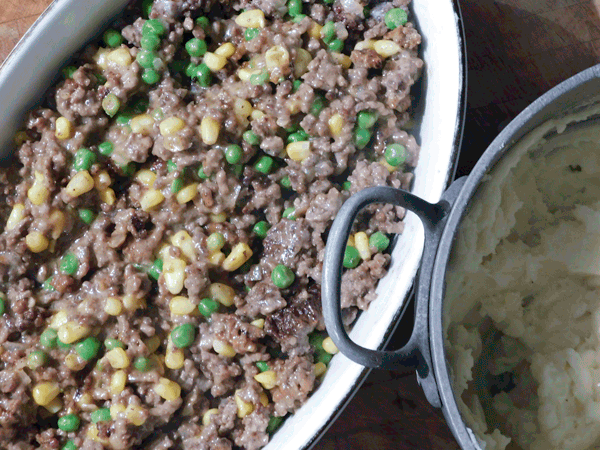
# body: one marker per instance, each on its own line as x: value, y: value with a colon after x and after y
x: 165, y: 223
x: 523, y: 296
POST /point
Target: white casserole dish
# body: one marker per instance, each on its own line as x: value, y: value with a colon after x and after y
x: 67, y: 25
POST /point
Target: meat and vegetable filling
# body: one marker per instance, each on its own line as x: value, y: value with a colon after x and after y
x: 166, y: 218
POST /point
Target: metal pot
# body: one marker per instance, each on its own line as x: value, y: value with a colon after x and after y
x: 425, y: 350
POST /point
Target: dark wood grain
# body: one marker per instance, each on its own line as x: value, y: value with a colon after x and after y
x: 517, y: 50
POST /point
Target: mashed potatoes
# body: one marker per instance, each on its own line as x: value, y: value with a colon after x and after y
x: 523, y: 296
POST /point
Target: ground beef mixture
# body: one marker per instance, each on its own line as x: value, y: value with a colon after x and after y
x: 165, y: 222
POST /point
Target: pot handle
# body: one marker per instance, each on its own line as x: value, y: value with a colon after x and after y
x: 415, y: 354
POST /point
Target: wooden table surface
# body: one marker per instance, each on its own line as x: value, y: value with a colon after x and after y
x: 517, y: 50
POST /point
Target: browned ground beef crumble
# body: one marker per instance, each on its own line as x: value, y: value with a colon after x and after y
x: 105, y: 251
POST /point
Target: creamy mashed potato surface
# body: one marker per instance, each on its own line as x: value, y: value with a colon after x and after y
x: 522, y: 305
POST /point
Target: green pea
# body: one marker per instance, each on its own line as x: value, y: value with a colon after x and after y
x: 129, y: 169
x: 183, y: 336
x: 261, y: 228
x: 203, y: 22
x: 69, y: 422
x: 100, y: 79
x: 366, y: 119
x: 153, y: 26
x: 251, y: 137
x: 298, y: 136
x: 351, y: 257
x: 111, y: 105
x: 84, y: 159
x: 111, y: 343
x: 336, y: 45
x: 146, y: 59
x: 2, y: 305
x: 142, y: 363
x: 150, y: 76
x: 196, y: 47
x: 233, y: 154
x: 274, y: 423
x: 69, y: 71
x: 324, y: 357
x: 318, y: 105
x: 346, y: 185
x: 259, y: 79
x: 282, y: 276
x: 215, y: 241
x: 171, y: 166
x: 395, y: 154
x: 150, y: 42
x: 123, y: 118
x: 48, y: 286
x: 208, y: 306
x: 201, y: 174
x: 112, y: 38
x: 100, y: 415
x: 190, y: 70
x: 298, y: 18
x: 48, y: 338
x: 380, y: 241
x: 36, y: 359
x: 238, y: 169
x: 69, y: 445
x: 315, y: 339
x: 251, y: 33
x: 263, y: 366
x: 69, y: 264
x: 328, y: 32
x: 203, y: 75
x: 62, y: 345
x: 395, y: 17
x: 366, y: 12
x: 88, y: 348
x: 156, y: 269
x: 286, y: 182
x: 147, y: 7
x: 264, y: 165
x: 296, y: 85
x: 294, y: 7
x: 177, y: 185
x: 106, y: 148
x: 289, y: 213
x: 362, y: 138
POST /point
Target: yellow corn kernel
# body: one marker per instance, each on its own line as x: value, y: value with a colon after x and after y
x: 351, y: 240
x: 17, y: 214
x: 174, y: 357
x: 242, y: 108
x: 218, y: 218
x: 174, y: 274
x: 167, y: 389
x: 85, y: 400
x: 59, y: 319
x: 145, y: 177
x: 113, y: 306
x: 36, y: 242
x: 329, y: 346
x: 223, y: 349
x: 92, y: 434
x: 243, y: 408
x: 180, y: 305
x: 118, y: 382
x: 120, y: 56
x: 209, y: 130
x: 136, y: 415
x: 293, y: 106
x: 277, y: 56
x: 143, y: 124
x: 258, y: 323
x: 43, y: 393
x: 386, y: 48
x: 343, y: 60
x: 320, y: 368
x: 100, y: 58
x: 187, y: 194
x: 116, y: 410
x: 184, y: 242
x: 152, y: 343
x: 365, y: 45
x: 38, y: 193
x: 81, y: 183
x: 267, y: 379
x: 118, y: 358
x: 216, y: 258
x: 254, y: 18
x: 171, y: 126
x: 214, y: 62
x: 58, y: 220
x: 227, y: 50
x: 315, y: 30
x: 361, y: 241
x: 222, y: 293
x: 108, y: 196
x: 54, y: 406
x: 238, y: 256
x: 257, y: 115
x: 102, y: 180
x: 298, y: 151
x: 303, y: 59
x: 72, y: 331
x: 151, y: 199
x: 245, y: 73
x: 264, y: 399
x: 131, y: 303
x: 336, y: 124
x: 20, y: 138
x: 64, y: 128
x: 73, y: 362
x: 207, y: 415
x: 387, y: 165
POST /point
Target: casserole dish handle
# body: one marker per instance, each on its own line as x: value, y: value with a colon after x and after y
x: 415, y: 355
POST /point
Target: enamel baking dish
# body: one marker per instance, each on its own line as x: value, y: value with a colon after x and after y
x: 67, y: 25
